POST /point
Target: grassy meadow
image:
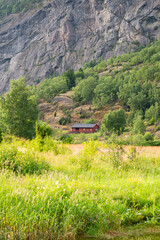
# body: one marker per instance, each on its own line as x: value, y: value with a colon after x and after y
x: 49, y: 192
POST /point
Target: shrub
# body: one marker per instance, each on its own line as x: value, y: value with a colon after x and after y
x: 137, y: 140
x: 43, y: 130
x: 62, y: 121
x: 66, y: 138
x: 148, y: 136
x: 43, y: 145
x: 21, y: 161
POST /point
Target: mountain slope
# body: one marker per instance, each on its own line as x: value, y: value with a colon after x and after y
x: 65, y: 34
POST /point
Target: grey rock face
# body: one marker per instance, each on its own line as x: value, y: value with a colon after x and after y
x: 65, y: 34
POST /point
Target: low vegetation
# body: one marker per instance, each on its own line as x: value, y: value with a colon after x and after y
x: 49, y: 192
x: 57, y: 194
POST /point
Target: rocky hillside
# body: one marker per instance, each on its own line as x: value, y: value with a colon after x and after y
x: 64, y: 104
x: 65, y: 34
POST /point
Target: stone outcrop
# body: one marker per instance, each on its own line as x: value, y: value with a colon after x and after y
x: 65, y: 34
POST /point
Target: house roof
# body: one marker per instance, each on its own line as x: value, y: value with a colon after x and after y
x: 84, y: 125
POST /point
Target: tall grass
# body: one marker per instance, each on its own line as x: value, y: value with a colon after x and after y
x: 88, y: 193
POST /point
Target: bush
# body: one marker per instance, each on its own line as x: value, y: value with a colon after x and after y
x: 43, y: 145
x: 62, y: 121
x: 137, y: 140
x: 66, y: 138
x: 21, y: 161
x: 43, y: 130
x: 148, y: 136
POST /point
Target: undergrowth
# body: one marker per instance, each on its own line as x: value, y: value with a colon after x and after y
x: 104, y: 187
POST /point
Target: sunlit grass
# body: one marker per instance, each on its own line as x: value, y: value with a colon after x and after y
x: 92, y: 192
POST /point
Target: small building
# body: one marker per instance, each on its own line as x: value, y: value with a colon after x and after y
x: 85, y: 128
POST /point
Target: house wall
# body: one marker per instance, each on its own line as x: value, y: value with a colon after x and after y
x: 96, y: 128
x: 86, y: 130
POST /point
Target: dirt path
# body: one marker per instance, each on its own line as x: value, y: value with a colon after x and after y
x: 149, y: 150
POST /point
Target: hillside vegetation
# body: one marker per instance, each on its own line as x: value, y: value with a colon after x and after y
x: 128, y: 86
x: 15, y: 6
x: 130, y: 80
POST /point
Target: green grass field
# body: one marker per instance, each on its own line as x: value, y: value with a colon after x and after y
x: 47, y: 192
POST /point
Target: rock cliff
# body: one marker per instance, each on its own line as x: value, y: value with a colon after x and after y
x: 65, y: 34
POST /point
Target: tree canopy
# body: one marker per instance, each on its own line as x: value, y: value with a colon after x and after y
x: 15, y: 6
x: 114, y: 121
x: 19, y: 110
x: 70, y: 78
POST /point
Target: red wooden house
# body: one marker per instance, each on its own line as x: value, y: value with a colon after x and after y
x: 85, y: 128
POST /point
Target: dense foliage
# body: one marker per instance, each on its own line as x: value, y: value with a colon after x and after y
x: 130, y: 78
x: 70, y: 78
x: 15, y: 6
x: 43, y: 130
x: 18, y: 110
x: 114, y: 121
x: 50, y: 87
x: 48, y: 196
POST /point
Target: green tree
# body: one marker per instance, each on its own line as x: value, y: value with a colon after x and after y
x: 84, y: 91
x: 138, y: 126
x: 114, y: 121
x: 70, y: 78
x: 105, y: 91
x: 152, y: 112
x: 80, y: 74
x: 19, y: 110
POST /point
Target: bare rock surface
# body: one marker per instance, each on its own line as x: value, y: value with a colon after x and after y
x: 65, y: 34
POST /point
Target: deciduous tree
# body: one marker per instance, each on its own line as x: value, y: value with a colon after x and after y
x: 19, y: 110
x: 114, y: 121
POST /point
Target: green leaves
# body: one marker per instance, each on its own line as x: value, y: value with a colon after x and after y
x: 43, y: 130
x: 114, y: 121
x: 19, y: 110
x: 138, y: 126
x: 70, y: 78
x: 15, y: 6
